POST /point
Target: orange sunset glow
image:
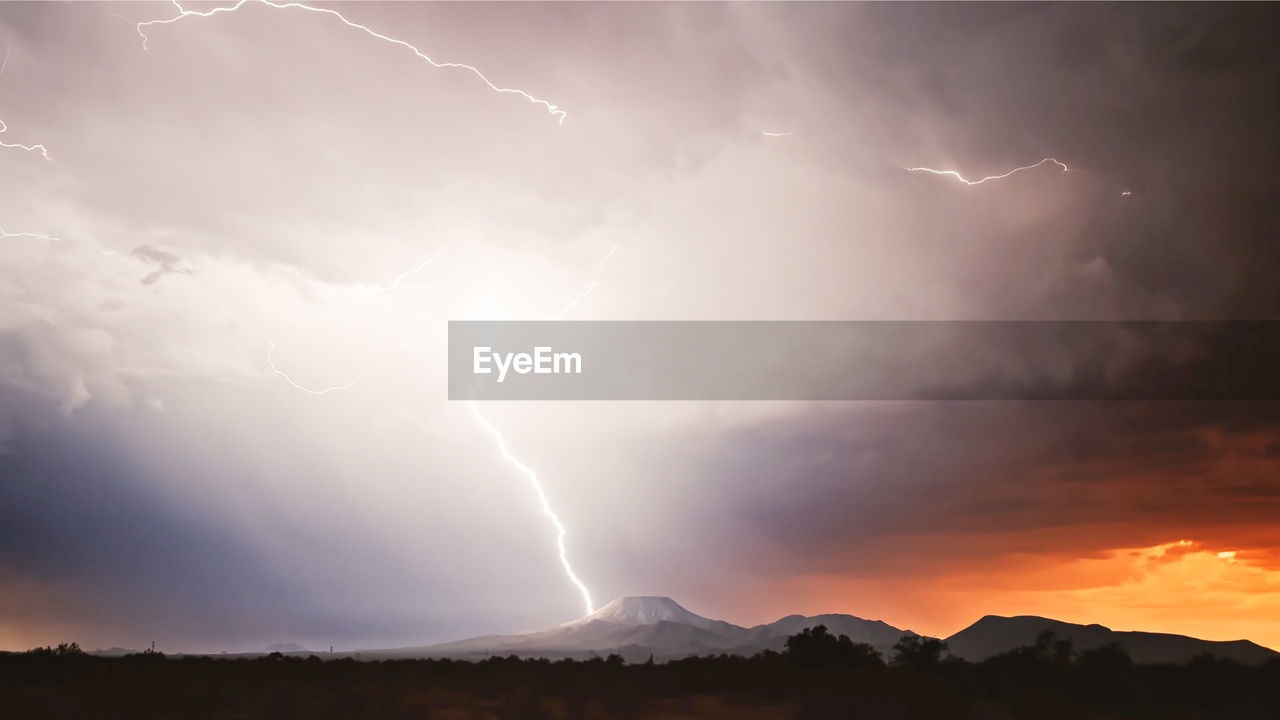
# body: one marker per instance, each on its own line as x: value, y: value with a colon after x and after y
x: 1182, y: 587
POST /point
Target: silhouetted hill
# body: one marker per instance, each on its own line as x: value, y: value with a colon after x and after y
x: 286, y: 647
x: 993, y: 635
x: 639, y: 627
x: 876, y: 633
x: 113, y: 652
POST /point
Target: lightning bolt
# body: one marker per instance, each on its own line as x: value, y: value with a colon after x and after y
x: 271, y: 348
x: 956, y: 174
x: 542, y: 496
x: 4, y: 234
x: 184, y: 13
x: 768, y: 133
x: 572, y: 303
x: 395, y: 283
x: 19, y: 146
x: 533, y: 476
x: 529, y: 472
x: 488, y: 426
x: 578, y: 298
x: 5, y: 128
x: 552, y: 109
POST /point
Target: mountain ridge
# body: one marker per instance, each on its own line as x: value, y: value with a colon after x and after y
x: 641, y: 627
x: 995, y: 634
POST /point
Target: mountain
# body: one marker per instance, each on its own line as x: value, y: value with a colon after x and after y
x: 993, y: 635
x: 286, y: 647
x: 640, y: 611
x: 640, y: 627
x: 113, y: 652
x: 877, y: 633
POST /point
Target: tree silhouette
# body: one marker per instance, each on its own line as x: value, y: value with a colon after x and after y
x: 918, y: 653
x: 812, y: 679
x: 816, y: 647
x: 63, y: 650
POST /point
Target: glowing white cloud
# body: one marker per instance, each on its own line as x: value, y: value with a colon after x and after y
x: 396, y: 282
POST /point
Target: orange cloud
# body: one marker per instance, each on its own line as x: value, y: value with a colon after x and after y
x: 1182, y: 586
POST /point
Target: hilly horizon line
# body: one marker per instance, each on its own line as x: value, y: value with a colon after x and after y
x: 622, y: 600
x: 639, y: 626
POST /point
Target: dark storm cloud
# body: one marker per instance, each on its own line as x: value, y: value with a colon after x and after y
x: 77, y: 512
x: 1171, y: 102
x: 906, y: 487
x: 93, y: 533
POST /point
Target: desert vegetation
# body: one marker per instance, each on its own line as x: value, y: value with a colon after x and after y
x: 818, y: 675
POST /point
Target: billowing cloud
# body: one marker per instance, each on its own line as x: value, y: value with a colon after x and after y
x: 263, y: 177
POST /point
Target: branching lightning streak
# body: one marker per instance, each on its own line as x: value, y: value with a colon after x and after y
x: 5, y: 128
x: 19, y: 146
x: 578, y: 298
x: 554, y: 110
x: 533, y: 476
x: 542, y: 496
x: 956, y: 174
x: 271, y: 348
x: 395, y: 283
x: 573, y: 303
x: 183, y: 12
x: 502, y: 445
x: 5, y: 234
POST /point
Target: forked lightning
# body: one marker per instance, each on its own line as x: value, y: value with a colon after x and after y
x: 554, y: 110
x: 956, y: 173
x: 185, y: 13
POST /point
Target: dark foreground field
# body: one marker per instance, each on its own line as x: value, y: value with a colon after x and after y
x: 818, y: 677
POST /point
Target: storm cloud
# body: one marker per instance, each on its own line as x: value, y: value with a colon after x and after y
x: 268, y: 178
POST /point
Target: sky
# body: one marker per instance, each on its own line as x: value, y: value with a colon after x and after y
x: 227, y: 270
